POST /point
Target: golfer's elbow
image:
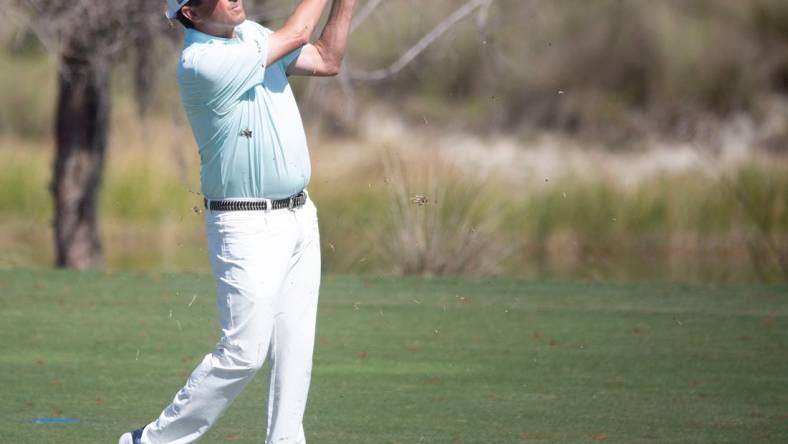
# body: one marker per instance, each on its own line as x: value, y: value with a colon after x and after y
x: 332, y: 68
x: 331, y: 58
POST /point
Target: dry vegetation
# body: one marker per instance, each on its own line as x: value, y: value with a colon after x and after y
x: 610, y: 70
x: 414, y: 201
x: 581, y: 139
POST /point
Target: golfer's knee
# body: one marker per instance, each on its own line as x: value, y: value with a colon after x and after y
x: 246, y: 358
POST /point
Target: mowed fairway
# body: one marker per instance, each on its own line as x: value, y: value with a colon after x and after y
x: 412, y: 361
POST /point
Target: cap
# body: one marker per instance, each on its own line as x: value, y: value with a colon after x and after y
x: 173, y: 6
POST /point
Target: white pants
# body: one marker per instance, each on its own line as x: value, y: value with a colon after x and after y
x: 267, y: 270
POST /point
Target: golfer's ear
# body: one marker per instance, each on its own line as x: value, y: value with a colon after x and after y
x: 190, y: 13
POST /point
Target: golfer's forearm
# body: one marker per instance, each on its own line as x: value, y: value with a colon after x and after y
x: 303, y: 20
x: 333, y: 40
x: 297, y: 30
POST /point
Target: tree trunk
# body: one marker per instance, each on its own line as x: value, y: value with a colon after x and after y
x: 144, y: 72
x: 81, y: 141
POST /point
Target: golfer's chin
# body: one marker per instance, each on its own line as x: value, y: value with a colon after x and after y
x: 239, y: 17
x: 233, y: 18
x: 229, y: 23
x: 237, y: 20
x: 237, y: 14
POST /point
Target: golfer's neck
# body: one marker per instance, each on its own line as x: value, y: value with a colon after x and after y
x: 224, y: 32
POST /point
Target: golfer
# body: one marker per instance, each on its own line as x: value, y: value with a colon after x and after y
x: 260, y: 223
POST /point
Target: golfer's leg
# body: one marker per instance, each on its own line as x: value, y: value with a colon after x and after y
x: 248, y: 266
x: 294, y: 334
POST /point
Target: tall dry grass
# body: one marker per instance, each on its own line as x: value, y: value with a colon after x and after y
x: 438, y: 221
x: 415, y: 200
x: 413, y: 210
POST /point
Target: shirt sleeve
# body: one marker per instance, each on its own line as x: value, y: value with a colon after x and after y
x: 289, y: 58
x: 227, y: 71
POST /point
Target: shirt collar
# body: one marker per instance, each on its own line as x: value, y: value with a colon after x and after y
x: 192, y: 35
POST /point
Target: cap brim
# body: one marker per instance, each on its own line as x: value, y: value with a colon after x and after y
x: 170, y: 14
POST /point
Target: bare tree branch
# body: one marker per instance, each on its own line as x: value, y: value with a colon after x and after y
x: 364, y: 13
x: 409, y: 55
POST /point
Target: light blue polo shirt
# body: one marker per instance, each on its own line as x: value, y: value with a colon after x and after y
x: 243, y: 115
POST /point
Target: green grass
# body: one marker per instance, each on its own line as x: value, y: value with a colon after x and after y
x: 412, y: 361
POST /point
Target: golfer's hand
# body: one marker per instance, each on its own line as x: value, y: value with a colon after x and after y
x: 324, y: 58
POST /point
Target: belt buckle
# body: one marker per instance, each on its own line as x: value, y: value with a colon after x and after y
x: 291, y: 203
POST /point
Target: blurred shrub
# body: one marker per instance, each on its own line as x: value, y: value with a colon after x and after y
x: 140, y: 192
x: 24, y: 181
x: 609, y: 68
x: 27, y: 83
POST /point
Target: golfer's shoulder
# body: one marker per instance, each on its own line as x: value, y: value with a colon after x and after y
x: 249, y: 26
x: 203, y: 60
x: 187, y: 65
x: 194, y: 49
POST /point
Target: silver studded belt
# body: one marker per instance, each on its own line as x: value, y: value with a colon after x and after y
x: 294, y: 201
